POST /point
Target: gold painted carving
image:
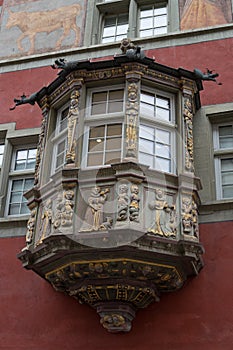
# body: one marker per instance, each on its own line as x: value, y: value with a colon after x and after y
x: 188, y: 121
x: 72, y: 122
x: 164, y: 223
x: 94, y: 220
x: 134, y: 203
x: 132, y: 120
x: 122, y: 203
x: 32, y: 23
x: 46, y: 221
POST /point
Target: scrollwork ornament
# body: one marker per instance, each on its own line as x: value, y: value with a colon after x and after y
x: 188, y: 121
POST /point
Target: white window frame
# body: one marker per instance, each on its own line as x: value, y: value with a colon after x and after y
x: 220, y: 154
x: 116, y: 37
x: 151, y: 121
x: 58, y: 138
x: 96, y: 120
x: 153, y: 6
x: 19, y: 174
x: 2, y: 144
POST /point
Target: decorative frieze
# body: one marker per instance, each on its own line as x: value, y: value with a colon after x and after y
x: 188, y: 126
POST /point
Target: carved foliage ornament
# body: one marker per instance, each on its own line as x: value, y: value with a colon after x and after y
x: 188, y: 123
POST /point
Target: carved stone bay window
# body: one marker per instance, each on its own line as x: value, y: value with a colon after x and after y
x: 114, y: 208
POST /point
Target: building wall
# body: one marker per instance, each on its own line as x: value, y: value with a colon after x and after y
x: 33, y: 315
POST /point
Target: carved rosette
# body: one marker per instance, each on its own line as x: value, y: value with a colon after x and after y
x: 164, y: 223
x: 132, y: 110
x: 73, y: 116
x: 189, y: 216
x: 188, y: 124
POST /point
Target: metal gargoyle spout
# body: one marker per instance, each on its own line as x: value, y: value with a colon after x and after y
x: 208, y: 75
x: 65, y: 65
x: 24, y: 100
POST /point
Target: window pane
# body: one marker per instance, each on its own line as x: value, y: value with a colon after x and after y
x: 226, y: 136
x: 163, y: 114
x: 21, y: 154
x: 110, y: 21
x: 146, y: 146
x: 113, y: 143
x: 146, y: 159
x: 113, y: 130
x: 162, y: 150
x: 115, y: 106
x: 161, y: 21
x: 146, y: 13
x: 163, y: 136
x: 146, y: 23
x: 145, y: 33
x: 24, y: 209
x: 227, y: 164
x: 160, y: 11
x: 61, y: 147
x: 112, y: 157
x: 226, y: 130
x: 17, y: 185
x: 96, y: 145
x: 14, y: 209
x: 16, y: 197
x: 146, y: 132
x: 228, y: 191
x: 1, y: 153
x: 227, y: 178
x: 1, y: 159
x: 97, y: 132
x: 122, y: 29
x: 28, y: 184
x: 99, y: 97
x: 95, y: 159
x: 163, y: 165
x: 60, y: 160
x: 160, y: 30
x: 147, y: 98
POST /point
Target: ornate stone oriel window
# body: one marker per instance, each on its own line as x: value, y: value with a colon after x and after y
x: 116, y: 225
x: 223, y: 153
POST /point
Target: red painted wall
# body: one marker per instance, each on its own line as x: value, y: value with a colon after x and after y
x: 215, y: 55
x: 15, y: 84
x: 198, y: 317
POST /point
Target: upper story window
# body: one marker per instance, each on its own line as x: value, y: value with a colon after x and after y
x: 157, y: 131
x: 115, y: 28
x: 152, y: 20
x: 116, y: 20
x: 2, y: 147
x: 223, y: 152
x: 20, y: 179
x: 60, y: 139
x: 105, y: 102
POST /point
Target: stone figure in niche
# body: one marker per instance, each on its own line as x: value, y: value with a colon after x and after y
x: 134, y: 203
x: 203, y: 13
x: 189, y: 217
x: 122, y: 203
x: 94, y: 214
x: 46, y: 221
x: 31, y: 226
x: 164, y: 223
x: 72, y: 122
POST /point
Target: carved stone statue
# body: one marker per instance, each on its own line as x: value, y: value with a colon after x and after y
x: 134, y: 203
x: 64, y: 209
x: 164, y: 223
x: 122, y: 203
x: 31, y: 226
x: 46, y: 221
x: 72, y: 122
x: 189, y: 216
x: 93, y: 220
